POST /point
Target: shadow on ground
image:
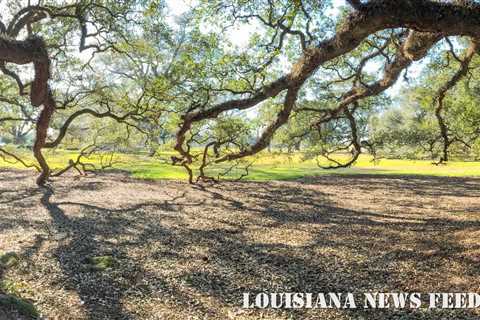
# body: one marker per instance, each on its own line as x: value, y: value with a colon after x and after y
x: 184, y: 251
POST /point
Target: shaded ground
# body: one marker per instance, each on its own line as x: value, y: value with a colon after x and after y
x: 189, y: 252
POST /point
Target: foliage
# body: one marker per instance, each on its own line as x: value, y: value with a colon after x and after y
x: 131, y: 77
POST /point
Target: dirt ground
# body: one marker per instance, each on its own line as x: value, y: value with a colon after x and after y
x: 190, y: 252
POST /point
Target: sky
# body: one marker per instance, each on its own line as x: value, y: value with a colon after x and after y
x: 239, y: 36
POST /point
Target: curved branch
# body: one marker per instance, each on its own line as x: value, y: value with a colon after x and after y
x: 440, y: 96
x: 357, y: 148
x: 414, y: 48
x: 4, y: 154
x: 75, y: 115
x: 267, y: 135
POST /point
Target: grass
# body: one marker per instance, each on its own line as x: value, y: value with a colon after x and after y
x: 18, y: 305
x: 267, y: 166
x: 101, y: 263
x: 8, y: 259
x: 10, y: 291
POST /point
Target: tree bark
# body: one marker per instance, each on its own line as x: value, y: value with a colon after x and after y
x: 33, y: 50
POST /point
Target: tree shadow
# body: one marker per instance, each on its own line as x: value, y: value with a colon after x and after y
x: 100, y: 292
x: 193, y: 251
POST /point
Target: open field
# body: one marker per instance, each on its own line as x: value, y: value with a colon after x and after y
x: 266, y: 166
x: 112, y: 247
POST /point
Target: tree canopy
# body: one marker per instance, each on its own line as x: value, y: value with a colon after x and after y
x: 104, y: 76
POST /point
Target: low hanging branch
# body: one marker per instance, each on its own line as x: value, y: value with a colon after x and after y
x: 354, y: 143
x: 441, y: 94
x: 414, y: 48
x: 431, y: 20
x: 5, y: 155
x: 107, y: 114
x: 268, y: 133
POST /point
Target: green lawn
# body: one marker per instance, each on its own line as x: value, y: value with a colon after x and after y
x: 267, y: 166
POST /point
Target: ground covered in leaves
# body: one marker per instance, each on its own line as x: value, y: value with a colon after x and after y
x: 111, y: 247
